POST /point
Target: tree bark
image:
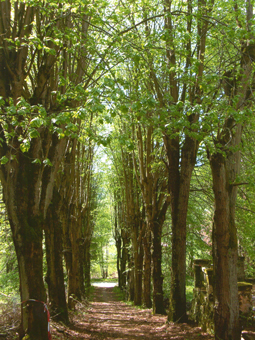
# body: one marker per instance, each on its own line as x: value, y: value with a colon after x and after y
x: 138, y: 268
x: 28, y: 176
x: 54, y: 255
x: 131, y: 278
x: 147, y: 270
x: 158, y: 296
x: 27, y: 191
x: 225, y: 166
x: 87, y: 264
x: 153, y: 185
x: 225, y: 248
x: 179, y: 189
x: 124, y: 260
x: 118, y: 246
x: 74, y: 274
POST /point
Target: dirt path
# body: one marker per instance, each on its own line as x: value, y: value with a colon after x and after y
x: 107, y: 318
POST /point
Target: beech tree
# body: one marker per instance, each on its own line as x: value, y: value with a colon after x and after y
x: 44, y: 73
x: 25, y: 138
x: 244, y: 204
x: 70, y: 205
x: 185, y: 79
x: 150, y: 176
x: 168, y: 60
x: 126, y: 207
x: 225, y: 167
x: 129, y: 215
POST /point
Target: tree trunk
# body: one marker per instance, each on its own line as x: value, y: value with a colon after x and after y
x: 106, y: 261
x: 225, y: 248
x: 27, y: 191
x: 26, y: 228
x: 177, y: 312
x: 118, y: 246
x: 147, y: 270
x: 28, y: 245
x: 87, y: 263
x: 81, y: 254
x: 32, y: 162
x: 158, y: 304
x: 180, y: 172
x: 74, y: 274
x: 123, y: 263
x: 54, y: 256
x: 131, y: 279
x: 138, y: 274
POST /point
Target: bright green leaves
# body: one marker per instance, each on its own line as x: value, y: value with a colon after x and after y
x: 47, y: 162
x: 4, y: 160
x: 36, y: 122
x: 25, y: 145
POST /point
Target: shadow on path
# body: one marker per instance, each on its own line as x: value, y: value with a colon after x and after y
x: 107, y: 318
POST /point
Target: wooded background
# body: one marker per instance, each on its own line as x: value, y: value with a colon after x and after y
x: 133, y: 122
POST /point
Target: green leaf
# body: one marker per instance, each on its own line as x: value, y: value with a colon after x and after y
x: 47, y: 162
x: 25, y: 146
x: 34, y: 133
x: 36, y: 122
x: 4, y: 160
x: 37, y: 161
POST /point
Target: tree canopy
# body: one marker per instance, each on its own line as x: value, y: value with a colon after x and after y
x: 129, y: 121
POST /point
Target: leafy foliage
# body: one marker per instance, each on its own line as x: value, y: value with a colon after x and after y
x: 9, y: 275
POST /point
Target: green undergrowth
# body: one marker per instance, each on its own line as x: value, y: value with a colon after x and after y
x: 90, y: 292
x: 120, y: 294
x: 189, y: 293
x: 104, y: 280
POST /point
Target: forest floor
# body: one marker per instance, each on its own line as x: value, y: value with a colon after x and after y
x: 106, y: 317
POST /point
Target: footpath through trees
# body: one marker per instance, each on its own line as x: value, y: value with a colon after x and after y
x: 108, y: 318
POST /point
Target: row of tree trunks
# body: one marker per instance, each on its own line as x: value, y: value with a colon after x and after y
x: 28, y: 79
x: 54, y: 256
x: 27, y: 224
x: 131, y: 262
x: 141, y: 211
x: 152, y: 179
x: 74, y: 188
x: 129, y: 228
x: 142, y: 265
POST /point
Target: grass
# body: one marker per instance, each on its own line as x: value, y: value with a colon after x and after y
x: 104, y: 280
x: 90, y: 292
x: 189, y: 293
x: 119, y: 293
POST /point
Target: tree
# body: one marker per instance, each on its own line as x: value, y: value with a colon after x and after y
x: 225, y: 166
x: 26, y: 137
x: 245, y: 204
x: 44, y: 74
x: 127, y: 211
x: 127, y: 196
x: 164, y: 62
x: 150, y: 175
